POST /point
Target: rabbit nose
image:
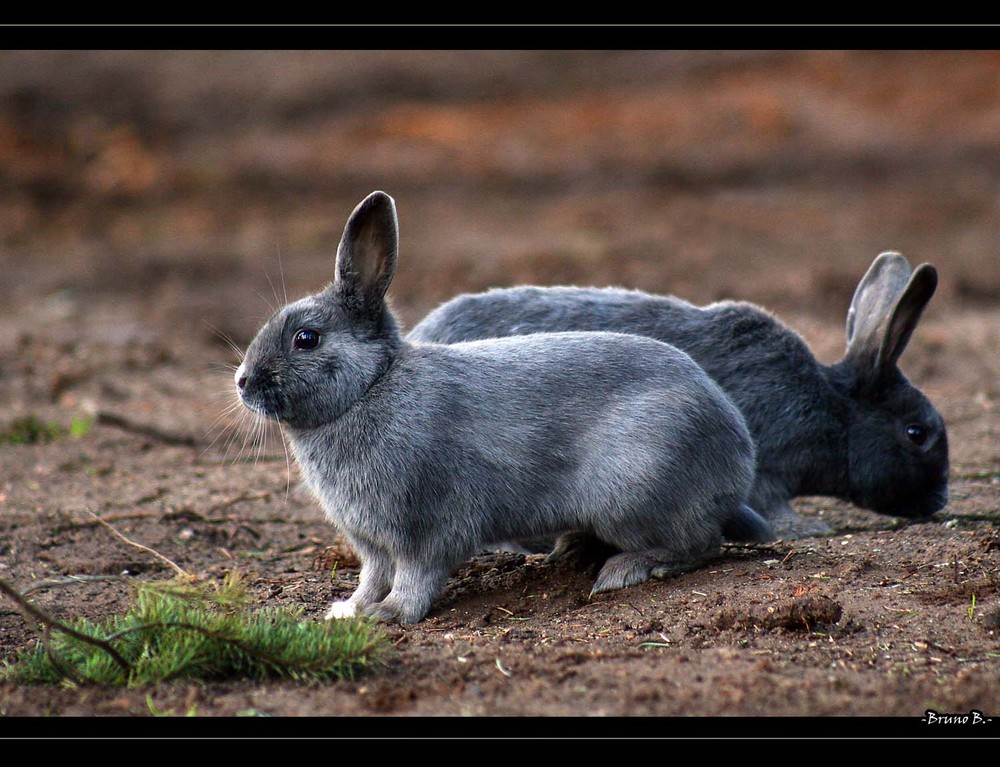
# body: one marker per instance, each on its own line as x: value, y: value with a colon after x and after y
x: 240, y: 378
x: 241, y: 382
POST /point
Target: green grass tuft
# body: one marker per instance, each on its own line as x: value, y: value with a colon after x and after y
x: 178, y: 629
x: 32, y: 430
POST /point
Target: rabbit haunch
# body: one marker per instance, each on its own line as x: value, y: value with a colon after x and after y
x: 423, y: 453
x: 857, y: 430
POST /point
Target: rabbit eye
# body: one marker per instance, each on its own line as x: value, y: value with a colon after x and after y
x: 916, y: 433
x: 306, y: 339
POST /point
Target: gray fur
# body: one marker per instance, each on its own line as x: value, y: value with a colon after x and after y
x: 423, y: 453
x: 838, y: 430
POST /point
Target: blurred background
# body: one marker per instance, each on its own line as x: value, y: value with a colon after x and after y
x: 154, y: 202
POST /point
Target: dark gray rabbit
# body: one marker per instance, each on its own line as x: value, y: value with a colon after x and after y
x: 857, y: 430
x: 422, y: 454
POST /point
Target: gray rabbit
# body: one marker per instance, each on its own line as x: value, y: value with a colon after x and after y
x: 422, y: 453
x: 857, y: 430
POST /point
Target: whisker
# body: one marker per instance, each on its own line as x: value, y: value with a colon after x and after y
x: 281, y: 273
x: 223, y: 367
x: 240, y: 430
x: 250, y: 443
x: 274, y: 291
x: 288, y: 465
x: 244, y: 430
x: 226, y: 420
x: 273, y: 309
x: 262, y: 427
x: 225, y: 408
x: 227, y: 339
x: 231, y: 417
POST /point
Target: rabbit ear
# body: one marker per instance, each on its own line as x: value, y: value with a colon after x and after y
x: 885, y: 310
x: 366, y: 258
x: 906, y: 314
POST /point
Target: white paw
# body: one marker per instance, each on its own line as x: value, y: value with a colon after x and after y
x: 344, y: 609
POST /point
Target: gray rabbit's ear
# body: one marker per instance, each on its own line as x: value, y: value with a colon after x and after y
x: 366, y: 258
x: 885, y: 310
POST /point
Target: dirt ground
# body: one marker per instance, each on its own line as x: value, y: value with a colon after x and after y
x: 153, y: 204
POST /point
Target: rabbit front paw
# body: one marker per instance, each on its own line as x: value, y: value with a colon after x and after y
x: 343, y: 609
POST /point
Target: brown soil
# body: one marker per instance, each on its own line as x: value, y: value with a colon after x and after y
x: 153, y: 203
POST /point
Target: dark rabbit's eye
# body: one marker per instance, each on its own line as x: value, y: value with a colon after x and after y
x: 306, y: 339
x: 916, y: 433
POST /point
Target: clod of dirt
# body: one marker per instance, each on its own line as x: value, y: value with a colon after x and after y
x: 481, y: 621
x: 991, y: 618
x: 853, y: 568
x: 649, y: 628
x: 798, y: 614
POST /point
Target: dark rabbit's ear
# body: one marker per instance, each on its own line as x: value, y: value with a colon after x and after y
x: 366, y: 258
x: 884, y: 312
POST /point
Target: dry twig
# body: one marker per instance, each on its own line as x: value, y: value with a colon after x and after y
x: 177, y: 568
x: 105, y: 418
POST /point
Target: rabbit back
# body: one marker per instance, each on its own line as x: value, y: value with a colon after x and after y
x: 497, y: 440
x: 502, y: 312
